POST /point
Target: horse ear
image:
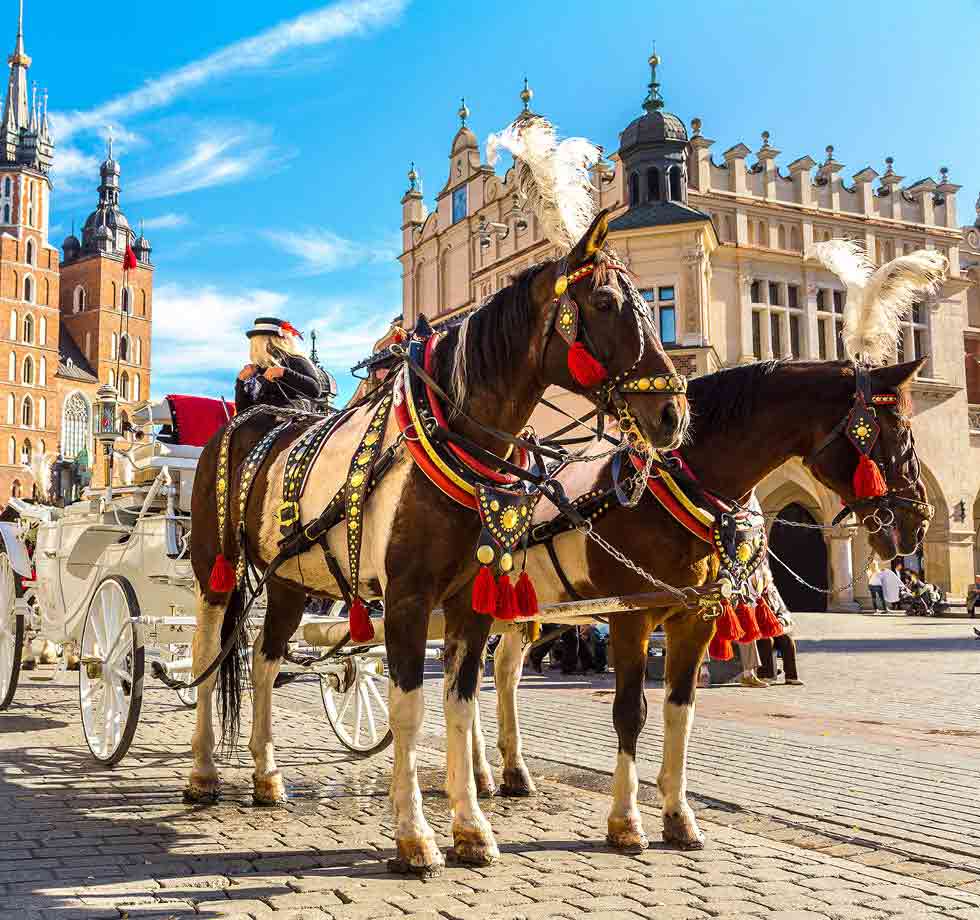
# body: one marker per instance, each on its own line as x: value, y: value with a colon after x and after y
x: 592, y: 242
x: 896, y: 375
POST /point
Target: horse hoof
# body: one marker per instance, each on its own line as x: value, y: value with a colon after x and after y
x: 486, y: 788
x: 420, y: 857
x: 72, y: 663
x: 626, y: 836
x: 202, y: 793
x: 682, y: 831
x: 517, y: 784
x: 269, y: 791
x: 28, y: 664
x: 474, y: 847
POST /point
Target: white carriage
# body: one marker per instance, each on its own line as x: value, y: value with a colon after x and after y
x: 109, y: 580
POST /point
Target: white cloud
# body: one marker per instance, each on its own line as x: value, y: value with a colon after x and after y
x: 70, y: 163
x: 165, y: 221
x: 215, y: 160
x: 319, y: 27
x: 323, y: 251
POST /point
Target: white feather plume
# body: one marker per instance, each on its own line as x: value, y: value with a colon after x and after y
x: 552, y: 177
x: 40, y: 469
x: 879, y: 299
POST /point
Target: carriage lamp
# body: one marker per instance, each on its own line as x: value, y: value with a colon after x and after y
x: 107, y: 426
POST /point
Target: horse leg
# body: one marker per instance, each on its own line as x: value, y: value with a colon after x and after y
x: 284, y: 613
x: 203, y: 783
x: 508, y: 663
x: 630, y: 636
x: 466, y: 638
x: 688, y: 636
x: 486, y: 788
x: 406, y: 627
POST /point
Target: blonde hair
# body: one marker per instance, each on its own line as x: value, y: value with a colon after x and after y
x: 267, y: 350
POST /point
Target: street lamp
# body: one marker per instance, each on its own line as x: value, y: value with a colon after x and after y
x: 488, y: 229
x: 107, y: 427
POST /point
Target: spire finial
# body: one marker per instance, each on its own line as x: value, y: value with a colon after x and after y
x: 463, y: 112
x: 696, y: 126
x: 109, y: 137
x: 765, y: 139
x: 19, y: 47
x: 830, y: 153
x: 527, y: 94
x: 413, y: 177
x: 889, y: 164
x: 977, y: 222
x: 653, y: 100
x: 943, y: 174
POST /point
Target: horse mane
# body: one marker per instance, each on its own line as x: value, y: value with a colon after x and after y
x: 725, y: 399
x: 490, y: 343
x: 552, y: 178
x: 879, y: 299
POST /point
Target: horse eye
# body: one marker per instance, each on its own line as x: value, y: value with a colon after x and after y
x: 604, y: 300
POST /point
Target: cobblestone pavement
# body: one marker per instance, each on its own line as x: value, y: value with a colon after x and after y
x: 78, y: 841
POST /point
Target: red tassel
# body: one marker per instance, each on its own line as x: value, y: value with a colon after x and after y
x: 485, y: 592
x: 720, y: 649
x: 222, y: 578
x: 506, y: 600
x: 746, y: 620
x: 868, y: 481
x: 361, y: 628
x: 585, y: 370
x: 769, y: 624
x: 527, y: 597
x: 727, y: 624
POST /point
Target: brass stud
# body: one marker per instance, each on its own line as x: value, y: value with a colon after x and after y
x: 506, y: 562
x: 484, y: 554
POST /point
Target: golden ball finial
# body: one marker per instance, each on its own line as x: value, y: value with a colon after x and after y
x: 463, y: 112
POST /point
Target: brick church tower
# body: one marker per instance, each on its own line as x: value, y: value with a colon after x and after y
x: 28, y: 281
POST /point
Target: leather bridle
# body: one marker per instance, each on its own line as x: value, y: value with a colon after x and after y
x: 567, y: 320
x: 861, y: 428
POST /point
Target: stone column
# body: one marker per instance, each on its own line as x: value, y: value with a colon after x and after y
x: 841, y: 572
x: 695, y: 331
x: 742, y: 283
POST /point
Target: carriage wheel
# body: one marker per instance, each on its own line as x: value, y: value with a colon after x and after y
x: 110, y: 681
x: 11, y: 632
x: 358, y: 710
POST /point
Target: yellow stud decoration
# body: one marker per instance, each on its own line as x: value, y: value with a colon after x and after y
x: 744, y: 552
x: 561, y: 285
x: 357, y: 479
x: 506, y: 562
x: 659, y: 383
x: 495, y: 505
x: 643, y: 383
x: 484, y: 555
x: 509, y: 519
x: 372, y: 438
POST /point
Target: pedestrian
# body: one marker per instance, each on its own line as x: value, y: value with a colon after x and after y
x: 784, y: 644
x: 277, y: 374
x: 749, y: 655
x: 877, y: 591
x: 890, y: 586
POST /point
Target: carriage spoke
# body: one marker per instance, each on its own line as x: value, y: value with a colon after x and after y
x: 344, y: 706
x: 358, y: 712
x: 372, y: 684
x: 369, y: 713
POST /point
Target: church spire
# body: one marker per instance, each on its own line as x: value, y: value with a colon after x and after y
x: 17, y: 109
x: 653, y: 100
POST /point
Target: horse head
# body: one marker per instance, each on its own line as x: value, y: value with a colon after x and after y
x: 868, y: 457
x: 600, y: 341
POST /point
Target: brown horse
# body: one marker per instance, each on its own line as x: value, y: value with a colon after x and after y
x: 746, y: 422
x: 418, y: 544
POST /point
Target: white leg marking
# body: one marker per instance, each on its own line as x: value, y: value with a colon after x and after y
x: 680, y: 825
x: 268, y: 786
x: 508, y: 664
x: 482, y: 772
x: 416, y: 842
x: 203, y: 782
x: 625, y: 824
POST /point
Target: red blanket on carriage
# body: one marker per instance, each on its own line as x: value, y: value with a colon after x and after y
x: 198, y: 418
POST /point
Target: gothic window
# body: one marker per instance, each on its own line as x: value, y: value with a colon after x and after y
x: 15, y: 486
x: 112, y: 377
x: 653, y: 184
x: 10, y: 408
x: 139, y: 351
x: 136, y: 387
x: 27, y: 412
x: 12, y: 453
x: 29, y: 329
x: 79, y: 299
x: 12, y: 367
x: 27, y: 370
x: 42, y: 372
x: 676, y: 192
x: 634, y: 190
x: 42, y: 331
x: 124, y: 386
x: 76, y: 429
x: 113, y: 347
x: 29, y: 289
x: 6, y: 187
x: 6, y: 213
x: 13, y: 325
x: 142, y: 303
x: 47, y: 292
x: 25, y: 453
x: 114, y: 303
x: 30, y: 215
x: 124, y: 347
x: 30, y: 252
x: 42, y: 415
x: 126, y: 296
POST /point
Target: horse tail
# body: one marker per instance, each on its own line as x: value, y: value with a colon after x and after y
x: 233, y: 671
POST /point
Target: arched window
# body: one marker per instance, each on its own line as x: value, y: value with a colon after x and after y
x: 29, y: 329
x: 15, y: 486
x: 76, y: 427
x: 114, y: 302
x: 13, y: 325
x: 30, y: 252
x: 136, y: 387
x: 47, y: 292
x: 27, y: 412
x: 42, y: 414
x: 10, y: 408
x: 142, y: 303
x: 124, y: 346
x: 112, y: 377
x: 29, y: 289
x: 27, y: 370
x: 124, y: 386
x: 653, y: 184
x: 42, y: 331
x: 12, y: 451
x: 113, y: 347
x: 781, y: 236
x: 6, y: 213
x: 126, y: 300
x: 79, y: 299
x: 6, y: 187
x: 25, y: 452
x: 12, y: 367
x: 634, y: 190
x: 42, y: 372
x: 676, y: 193
x: 139, y: 351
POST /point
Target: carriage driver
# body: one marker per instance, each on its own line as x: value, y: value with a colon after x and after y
x: 277, y: 374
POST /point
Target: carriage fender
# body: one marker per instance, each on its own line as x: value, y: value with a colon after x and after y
x: 16, y: 550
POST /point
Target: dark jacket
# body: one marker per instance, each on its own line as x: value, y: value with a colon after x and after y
x: 296, y: 389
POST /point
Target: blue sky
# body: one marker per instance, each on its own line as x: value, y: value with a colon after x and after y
x: 266, y: 145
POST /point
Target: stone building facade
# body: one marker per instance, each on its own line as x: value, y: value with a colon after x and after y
x: 66, y: 326
x: 717, y: 240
